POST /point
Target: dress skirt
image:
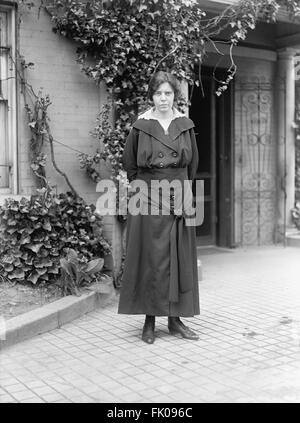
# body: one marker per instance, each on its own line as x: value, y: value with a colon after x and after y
x: 160, y: 275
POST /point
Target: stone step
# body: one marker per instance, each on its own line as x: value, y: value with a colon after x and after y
x: 293, y: 240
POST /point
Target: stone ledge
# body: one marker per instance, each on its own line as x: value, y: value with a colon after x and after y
x: 52, y: 316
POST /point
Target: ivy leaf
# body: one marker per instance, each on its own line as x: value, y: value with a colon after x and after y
x: 41, y: 271
x: 8, y: 268
x: 16, y: 274
x: 34, y: 247
x: 25, y: 240
x: 39, y: 264
x: 11, y: 222
x: 54, y: 270
x: 142, y: 7
x: 47, y: 226
x: 41, y: 191
x: 33, y: 277
x: 32, y: 217
x: 8, y: 259
x: 12, y: 230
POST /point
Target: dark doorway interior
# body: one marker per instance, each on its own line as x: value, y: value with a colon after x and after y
x: 212, y: 116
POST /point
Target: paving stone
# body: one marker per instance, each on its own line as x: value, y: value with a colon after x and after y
x: 40, y: 391
x: 53, y: 397
x: 7, y: 399
x: 15, y: 388
x: 22, y: 396
x: 248, y: 351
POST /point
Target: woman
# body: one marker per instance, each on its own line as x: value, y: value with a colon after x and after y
x: 160, y: 272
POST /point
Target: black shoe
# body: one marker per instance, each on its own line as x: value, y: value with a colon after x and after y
x: 148, y: 331
x: 176, y: 327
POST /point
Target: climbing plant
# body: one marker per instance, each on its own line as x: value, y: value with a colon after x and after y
x: 123, y: 42
x: 36, y: 232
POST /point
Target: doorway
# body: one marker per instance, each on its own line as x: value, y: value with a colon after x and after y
x: 212, y: 116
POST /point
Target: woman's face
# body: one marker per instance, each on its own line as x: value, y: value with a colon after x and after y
x: 163, y: 98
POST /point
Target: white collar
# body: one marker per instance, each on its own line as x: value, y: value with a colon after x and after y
x: 148, y: 114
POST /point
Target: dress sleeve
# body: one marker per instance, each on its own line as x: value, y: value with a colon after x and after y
x: 129, y: 158
x: 193, y: 166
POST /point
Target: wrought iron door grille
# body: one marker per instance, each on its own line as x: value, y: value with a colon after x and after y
x: 256, y: 162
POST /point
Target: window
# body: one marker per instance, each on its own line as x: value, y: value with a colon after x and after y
x: 8, y: 163
x: 4, y: 163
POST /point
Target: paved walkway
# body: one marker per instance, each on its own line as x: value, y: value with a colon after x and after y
x: 248, y: 351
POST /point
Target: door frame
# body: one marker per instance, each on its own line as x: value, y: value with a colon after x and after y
x: 221, y: 165
x: 225, y: 168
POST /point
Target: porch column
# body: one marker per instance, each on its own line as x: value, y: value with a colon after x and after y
x: 285, y: 88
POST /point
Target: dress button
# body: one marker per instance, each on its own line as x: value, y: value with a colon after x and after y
x: 160, y: 154
x: 175, y: 164
x: 161, y: 164
x: 174, y: 154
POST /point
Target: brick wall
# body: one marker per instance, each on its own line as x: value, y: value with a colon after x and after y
x: 75, y: 100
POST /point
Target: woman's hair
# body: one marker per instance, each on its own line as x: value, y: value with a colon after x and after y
x: 159, y: 78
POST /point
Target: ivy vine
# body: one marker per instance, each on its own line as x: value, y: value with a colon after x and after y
x: 36, y: 232
x: 123, y: 42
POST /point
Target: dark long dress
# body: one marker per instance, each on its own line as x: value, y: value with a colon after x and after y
x: 160, y: 272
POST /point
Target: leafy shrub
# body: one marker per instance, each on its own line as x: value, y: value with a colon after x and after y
x: 36, y: 233
x: 75, y: 272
